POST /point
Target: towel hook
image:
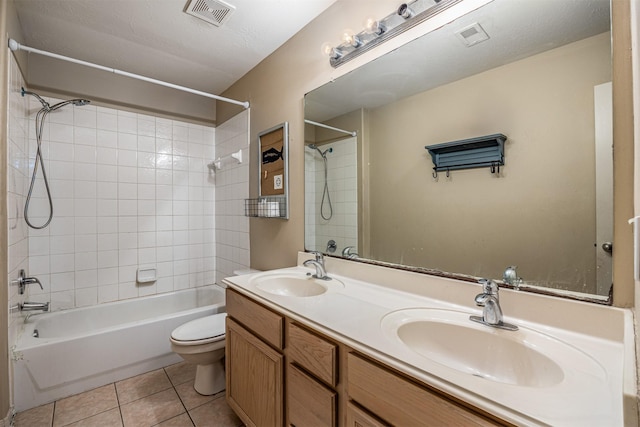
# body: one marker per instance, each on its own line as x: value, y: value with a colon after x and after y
x: 435, y: 173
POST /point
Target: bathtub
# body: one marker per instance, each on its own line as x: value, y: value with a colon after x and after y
x: 84, y: 348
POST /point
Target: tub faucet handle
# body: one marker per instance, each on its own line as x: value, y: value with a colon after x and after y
x: 23, y: 281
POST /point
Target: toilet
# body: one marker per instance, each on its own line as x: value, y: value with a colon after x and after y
x: 201, y: 342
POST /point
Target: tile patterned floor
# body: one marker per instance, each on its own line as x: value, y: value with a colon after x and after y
x: 164, y: 397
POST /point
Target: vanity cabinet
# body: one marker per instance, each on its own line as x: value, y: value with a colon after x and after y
x: 280, y: 372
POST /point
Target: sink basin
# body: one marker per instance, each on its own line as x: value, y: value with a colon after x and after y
x: 523, y: 358
x: 294, y: 285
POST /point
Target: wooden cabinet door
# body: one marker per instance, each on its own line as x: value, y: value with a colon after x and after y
x: 254, y: 378
x: 310, y: 404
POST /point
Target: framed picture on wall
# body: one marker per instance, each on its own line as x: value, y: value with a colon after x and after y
x: 273, y: 186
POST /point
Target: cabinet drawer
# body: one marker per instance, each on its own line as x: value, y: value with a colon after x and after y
x: 401, y: 402
x: 309, y: 403
x: 356, y: 417
x: 313, y: 353
x: 260, y: 320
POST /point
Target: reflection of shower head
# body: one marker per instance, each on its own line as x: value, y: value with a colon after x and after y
x: 322, y: 153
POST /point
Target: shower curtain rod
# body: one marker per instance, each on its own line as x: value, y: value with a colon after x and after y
x: 322, y: 125
x: 14, y: 45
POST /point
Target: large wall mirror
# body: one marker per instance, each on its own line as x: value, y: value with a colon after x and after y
x: 542, y: 78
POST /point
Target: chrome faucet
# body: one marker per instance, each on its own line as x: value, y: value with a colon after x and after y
x: 23, y: 281
x: 34, y: 306
x: 510, y: 277
x: 490, y: 301
x: 318, y: 263
x: 346, y: 252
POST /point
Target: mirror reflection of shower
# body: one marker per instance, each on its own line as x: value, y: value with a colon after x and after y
x: 325, y: 192
x: 39, y: 162
x: 341, y: 179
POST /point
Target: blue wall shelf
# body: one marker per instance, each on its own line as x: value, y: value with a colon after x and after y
x: 483, y: 151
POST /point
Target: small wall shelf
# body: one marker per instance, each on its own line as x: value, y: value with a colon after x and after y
x: 267, y: 207
x: 483, y: 151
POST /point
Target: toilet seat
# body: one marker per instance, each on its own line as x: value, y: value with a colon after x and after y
x: 201, y: 331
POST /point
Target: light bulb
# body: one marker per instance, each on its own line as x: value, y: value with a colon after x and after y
x: 350, y: 38
x: 326, y: 48
x: 330, y: 51
x: 374, y: 26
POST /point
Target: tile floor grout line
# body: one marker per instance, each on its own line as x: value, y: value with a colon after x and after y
x: 192, y: 414
x: 119, y: 406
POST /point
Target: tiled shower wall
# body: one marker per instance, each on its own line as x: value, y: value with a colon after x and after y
x: 343, y: 191
x: 129, y: 191
x: 232, y: 187
x: 17, y: 171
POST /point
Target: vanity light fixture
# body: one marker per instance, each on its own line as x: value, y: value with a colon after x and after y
x: 406, y: 16
x: 405, y: 11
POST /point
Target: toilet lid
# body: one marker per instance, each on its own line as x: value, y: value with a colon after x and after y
x: 201, y: 329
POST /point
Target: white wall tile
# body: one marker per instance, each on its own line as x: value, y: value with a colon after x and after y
x: 107, y: 120
x: 127, y: 125
x: 106, y: 139
x: 108, y: 293
x: 129, y: 189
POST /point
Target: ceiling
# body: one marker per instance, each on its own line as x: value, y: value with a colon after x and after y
x: 156, y: 39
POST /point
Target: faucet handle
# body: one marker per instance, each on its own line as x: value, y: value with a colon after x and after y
x: 319, y: 256
x: 489, y: 287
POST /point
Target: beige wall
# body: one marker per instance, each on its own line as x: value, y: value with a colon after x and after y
x: 538, y: 213
x: 623, y: 157
x: 63, y: 79
x: 52, y: 77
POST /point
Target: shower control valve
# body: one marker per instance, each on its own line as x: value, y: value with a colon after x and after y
x: 23, y: 281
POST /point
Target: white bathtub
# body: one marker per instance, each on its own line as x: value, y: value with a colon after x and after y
x: 84, y: 348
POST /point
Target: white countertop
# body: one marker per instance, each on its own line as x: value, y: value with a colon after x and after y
x: 353, y: 314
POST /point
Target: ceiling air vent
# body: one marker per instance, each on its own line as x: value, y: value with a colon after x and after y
x: 215, y: 12
x: 472, y: 34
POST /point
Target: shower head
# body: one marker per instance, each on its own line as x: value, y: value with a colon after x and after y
x: 313, y: 146
x: 76, y: 102
x: 47, y: 107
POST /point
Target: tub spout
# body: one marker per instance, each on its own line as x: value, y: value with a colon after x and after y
x: 34, y: 306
